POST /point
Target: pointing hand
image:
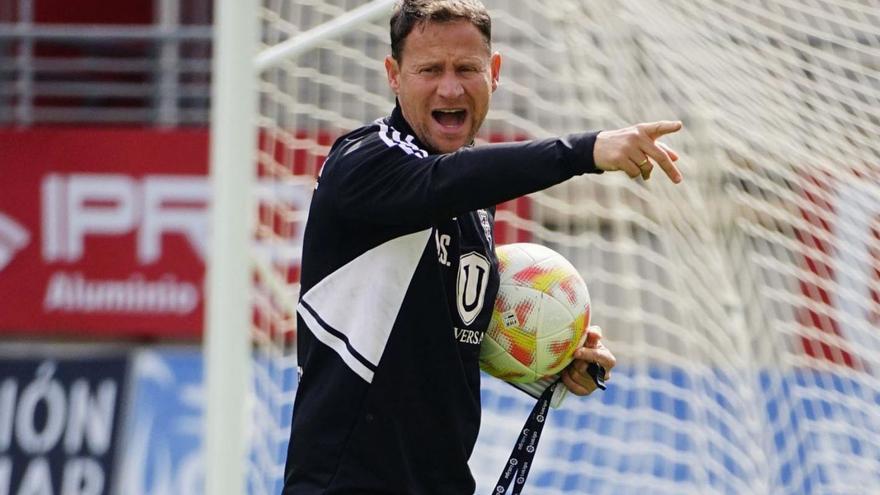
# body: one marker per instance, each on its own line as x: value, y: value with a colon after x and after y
x: 635, y: 149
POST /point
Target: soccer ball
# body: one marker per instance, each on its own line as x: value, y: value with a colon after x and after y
x: 540, y: 316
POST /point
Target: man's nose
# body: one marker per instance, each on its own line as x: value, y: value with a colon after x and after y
x: 450, y: 86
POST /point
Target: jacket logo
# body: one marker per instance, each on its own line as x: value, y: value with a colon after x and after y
x: 487, y: 227
x: 469, y: 336
x: 473, y: 278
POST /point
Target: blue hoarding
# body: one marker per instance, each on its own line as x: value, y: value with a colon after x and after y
x: 59, y: 419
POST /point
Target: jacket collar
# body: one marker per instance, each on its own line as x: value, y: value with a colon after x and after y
x: 398, y: 122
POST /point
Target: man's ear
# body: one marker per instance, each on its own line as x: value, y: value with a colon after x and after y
x: 393, y: 70
x: 495, y: 66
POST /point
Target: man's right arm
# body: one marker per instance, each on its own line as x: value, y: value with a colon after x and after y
x: 393, y: 185
x: 393, y: 182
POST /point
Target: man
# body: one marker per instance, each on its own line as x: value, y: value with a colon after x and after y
x: 388, y: 398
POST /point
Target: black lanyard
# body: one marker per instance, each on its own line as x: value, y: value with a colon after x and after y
x: 520, y: 461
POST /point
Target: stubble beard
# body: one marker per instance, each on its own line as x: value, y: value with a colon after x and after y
x: 468, y: 142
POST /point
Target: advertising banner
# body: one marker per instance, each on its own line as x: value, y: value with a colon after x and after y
x: 103, y: 231
x: 163, y: 434
x: 58, y: 424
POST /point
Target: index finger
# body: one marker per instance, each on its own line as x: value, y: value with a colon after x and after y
x: 662, y: 128
x: 663, y: 159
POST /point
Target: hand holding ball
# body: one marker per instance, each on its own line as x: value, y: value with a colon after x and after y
x: 540, y: 317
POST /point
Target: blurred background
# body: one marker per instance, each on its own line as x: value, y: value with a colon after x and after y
x: 104, y: 132
x: 743, y: 306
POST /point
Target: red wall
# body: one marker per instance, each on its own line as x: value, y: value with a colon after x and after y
x: 93, y: 11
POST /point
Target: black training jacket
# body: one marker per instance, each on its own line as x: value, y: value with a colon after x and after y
x: 399, y: 277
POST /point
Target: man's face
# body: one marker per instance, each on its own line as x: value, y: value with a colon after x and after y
x: 444, y: 81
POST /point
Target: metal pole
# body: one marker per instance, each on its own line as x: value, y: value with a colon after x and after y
x: 168, y: 20
x: 81, y: 32
x: 227, y: 336
x: 24, y: 109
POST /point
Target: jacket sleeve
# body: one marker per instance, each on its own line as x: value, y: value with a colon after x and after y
x: 395, y: 185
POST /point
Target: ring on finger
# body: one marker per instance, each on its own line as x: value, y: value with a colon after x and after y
x: 645, y: 168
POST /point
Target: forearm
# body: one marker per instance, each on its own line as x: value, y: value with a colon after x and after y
x: 488, y: 175
x: 409, y: 189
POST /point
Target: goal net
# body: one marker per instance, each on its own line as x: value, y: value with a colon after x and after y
x: 743, y: 305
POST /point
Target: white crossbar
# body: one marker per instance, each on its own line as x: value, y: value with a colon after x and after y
x: 309, y: 39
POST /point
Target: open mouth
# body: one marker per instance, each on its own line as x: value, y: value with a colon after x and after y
x: 451, y: 118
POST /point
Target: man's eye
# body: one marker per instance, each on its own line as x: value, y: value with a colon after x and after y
x: 470, y: 70
x: 430, y: 70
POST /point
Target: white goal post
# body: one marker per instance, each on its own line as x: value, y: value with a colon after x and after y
x: 228, y: 357
x: 227, y: 341
x: 743, y: 305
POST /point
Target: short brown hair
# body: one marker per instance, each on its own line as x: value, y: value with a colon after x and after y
x: 409, y: 13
